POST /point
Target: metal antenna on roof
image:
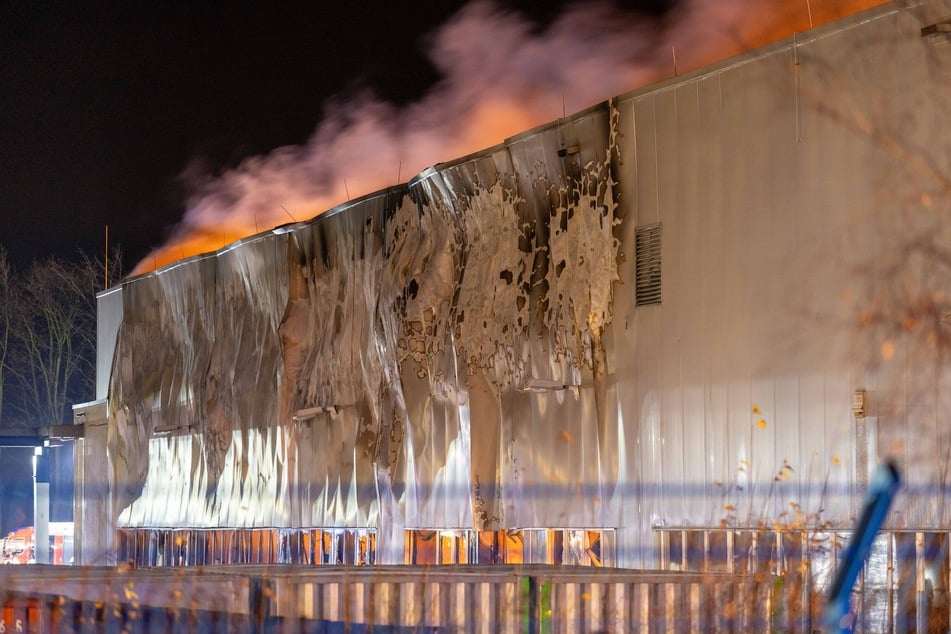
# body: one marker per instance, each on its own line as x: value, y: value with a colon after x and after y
x: 106, y: 262
x: 809, y: 11
x: 346, y: 189
x: 673, y: 53
x: 288, y: 213
x: 561, y: 134
x: 399, y: 173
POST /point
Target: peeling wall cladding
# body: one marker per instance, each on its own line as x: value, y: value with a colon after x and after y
x: 464, y: 351
x: 383, y: 358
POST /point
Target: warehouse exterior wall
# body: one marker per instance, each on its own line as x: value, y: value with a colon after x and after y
x: 466, y: 352
x: 791, y: 186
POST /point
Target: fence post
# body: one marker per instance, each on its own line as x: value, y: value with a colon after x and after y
x: 260, y: 603
x: 534, y: 605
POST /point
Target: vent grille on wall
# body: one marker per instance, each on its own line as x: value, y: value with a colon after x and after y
x: 647, y: 265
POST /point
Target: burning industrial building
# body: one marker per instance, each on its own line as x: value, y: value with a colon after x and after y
x: 693, y: 314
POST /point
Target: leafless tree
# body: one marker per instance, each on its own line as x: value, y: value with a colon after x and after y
x: 906, y: 300
x: 49, y: 340
x: 8, y: 294
x: 900, y: 297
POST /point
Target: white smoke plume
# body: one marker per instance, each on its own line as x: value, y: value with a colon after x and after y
x: 500, y: 76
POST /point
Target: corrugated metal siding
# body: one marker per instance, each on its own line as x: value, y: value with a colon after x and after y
x: 761, y: 198
x: 109, y: 320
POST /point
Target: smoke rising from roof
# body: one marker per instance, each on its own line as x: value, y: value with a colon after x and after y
x: 501, y: 75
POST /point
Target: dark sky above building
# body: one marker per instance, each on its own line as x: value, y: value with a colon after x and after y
x: 104, y: 105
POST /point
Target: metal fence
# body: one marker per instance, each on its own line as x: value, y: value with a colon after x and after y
x: 358, y: 546
x: 716, y: 580
x: 532, y: 599
x: 178, y: 547
x: 904, y: 586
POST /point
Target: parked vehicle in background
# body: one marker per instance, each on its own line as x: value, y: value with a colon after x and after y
x: 18, y: 547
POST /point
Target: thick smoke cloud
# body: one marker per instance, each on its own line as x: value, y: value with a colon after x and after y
x: 501, y: 75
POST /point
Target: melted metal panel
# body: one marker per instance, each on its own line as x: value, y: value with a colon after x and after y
x: 383, y: 365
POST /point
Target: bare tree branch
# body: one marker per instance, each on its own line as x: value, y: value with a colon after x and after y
x: 50, y: 337
x: 8, y: 301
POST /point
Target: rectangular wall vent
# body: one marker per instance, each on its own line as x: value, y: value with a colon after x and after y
x: 647, y: 265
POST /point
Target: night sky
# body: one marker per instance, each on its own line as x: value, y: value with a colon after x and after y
x: 103, y: 106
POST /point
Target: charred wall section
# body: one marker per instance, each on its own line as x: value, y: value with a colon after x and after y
x: 427, y: 357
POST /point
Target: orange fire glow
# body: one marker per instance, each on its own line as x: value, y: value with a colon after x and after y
x: 465, y: 114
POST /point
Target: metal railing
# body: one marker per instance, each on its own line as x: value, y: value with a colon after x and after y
x: 534, y: 599
x: 904, y: 586
x: 156, y: 547
x: 717, y: 579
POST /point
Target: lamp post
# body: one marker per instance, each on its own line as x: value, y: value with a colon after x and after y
x: 41, y: 506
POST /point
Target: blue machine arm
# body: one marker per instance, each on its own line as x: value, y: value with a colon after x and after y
x: 881, y: 492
